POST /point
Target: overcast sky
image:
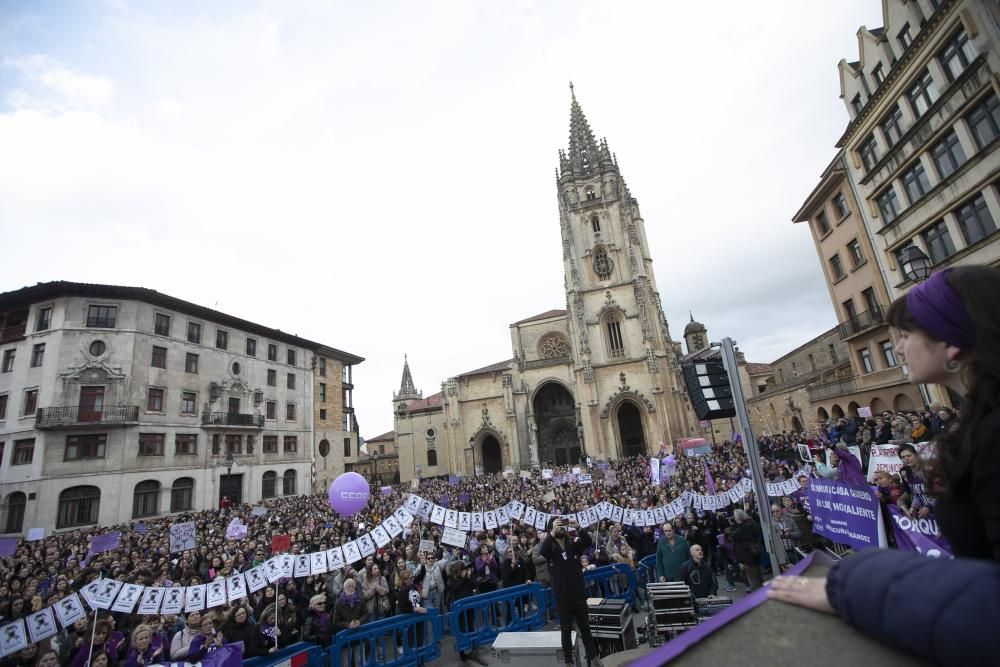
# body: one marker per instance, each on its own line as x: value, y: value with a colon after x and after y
x: 379, y: 176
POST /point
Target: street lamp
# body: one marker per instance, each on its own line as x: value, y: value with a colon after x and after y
x: 374, y: 459
x: 915, y: 263
x: 472, y: 446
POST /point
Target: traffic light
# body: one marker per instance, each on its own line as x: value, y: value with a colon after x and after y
x: 708, y: 388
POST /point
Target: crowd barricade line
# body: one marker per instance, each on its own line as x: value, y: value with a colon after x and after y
x: 397, y: 641
x: 616, y: 582
x: 478, y: 619
x: 300, y: 654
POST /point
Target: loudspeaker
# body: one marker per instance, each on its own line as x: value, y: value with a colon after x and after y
x: 708, y: 388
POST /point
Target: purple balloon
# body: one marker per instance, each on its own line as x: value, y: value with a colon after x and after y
x: 348, y: 494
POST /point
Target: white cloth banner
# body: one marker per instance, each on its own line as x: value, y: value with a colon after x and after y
x: 884, y: 458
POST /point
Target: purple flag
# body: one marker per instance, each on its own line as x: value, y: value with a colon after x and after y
x: 453, y: 480
x: 105, y: 542
x: 463, y: 498
x: 709, y: 482
x: 236, y: 530
x: 845, y: 513
x: 386, y: 490
x: 444, y: 500
x: 920, y: 535
x: 139, y: 528
x: 849, y: 468
x: 8, y: 545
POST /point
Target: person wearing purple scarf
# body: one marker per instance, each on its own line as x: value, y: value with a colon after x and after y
x: 350, y: 610
x: 318, y: 628
x: 146, y: 648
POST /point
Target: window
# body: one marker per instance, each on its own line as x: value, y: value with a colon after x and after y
x: 268, y: 483
x: 97, y: 348
x: 272, y: 352
x: 161, y: 325
x: 234, y: 443
x: 236, y: 368
x: 250, y: 441
x: 948, y: 155
x: 251, y: 347
x: 144, y: 499
x: 865, y: 356
x: 975, y: 220
x: 322, y: 367
x: 888, y: 353
x: 836, y: 269
x: 347, y: 447
x: 840, y: 204
x: 345, y: 422
x: 102, y: 317
x: 24, y: 452
x: 833, y: 352
x: 938, y: 241
x: 189, y: 402
x: 30, y: 402
x: 616, y: 344
x: 291, y: 444
x: 891, y: 126
x: 272, y: 377
x: 291, y: 357
x: 871, y: 302
x: 922, y: 94
x: 16, y: 503
x: 868, y: 150
x: 602, y: 263
x: 904, y: 37
x: 322, y: 414
x: 590, y: 194
x: 984, y: 121
x: 288, y: 483
x: 878, y: 75
x: 857, y: 104
x: 182, y: 495
x: 154, y: 399
x: 290, y: 412
x: 3, y: 407
x: 322, y: 392
x: 822, y: 226
x: 185, y: 444
x: 159, y: 359
x: 271, y: 410
x: 78, y: 506
x: 957, y: 54
x: 850, y: 311
x: 291, y: 381
x: 812, y: 363
x: 222, y: 339
x: 888, y: 205
x: 37, y: 355
x: 8, y: 360
x: 854, y: 248
x: 194, y: 333
x: 270, y: 444
x: 216, y: 444
x: 150, y: 444
x: 190, y: 363
x: 43, y: 320
x: 432, y: 457
x: 595, y: 224
x: 915, y: 182
x: 345, y: 374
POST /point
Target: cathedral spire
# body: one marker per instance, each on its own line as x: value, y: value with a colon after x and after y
x: 583, y: 149
x: 406, y: 388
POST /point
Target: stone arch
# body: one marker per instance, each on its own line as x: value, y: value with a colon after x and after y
x: 796, y: 424
x: 480, y: 440
x: 630, y: 427
x: 852, y: 409
x: 492, y: 454
x: 902, y: 403
x: 554, y: 410
x: 822, y: 414
x: 878, y: 406
x: 837, y: 411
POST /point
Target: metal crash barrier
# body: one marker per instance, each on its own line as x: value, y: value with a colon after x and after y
x: 616, y: 581
x: 477, y: 620
x: 299, y: 654
x: 397, y: 641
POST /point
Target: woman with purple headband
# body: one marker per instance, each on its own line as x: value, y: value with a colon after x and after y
x: 949, y: 329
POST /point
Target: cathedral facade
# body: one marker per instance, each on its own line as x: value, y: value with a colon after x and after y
x: 600, y: 377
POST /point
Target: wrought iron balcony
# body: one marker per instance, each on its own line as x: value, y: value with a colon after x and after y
x: 86, y: 417
x: 237, y: 419
x: 862, y: 322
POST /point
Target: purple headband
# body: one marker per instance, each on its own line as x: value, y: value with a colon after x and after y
x: 940, y: 311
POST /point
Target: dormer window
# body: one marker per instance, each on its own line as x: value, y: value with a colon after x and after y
x: 595, y: 222
x: 856, y: 104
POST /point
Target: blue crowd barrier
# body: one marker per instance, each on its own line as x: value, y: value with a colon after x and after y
x: 397, y: 641
x: 478, y: 619
x: 616, y: 581
x: 646, y: 572
x: 290, y: 655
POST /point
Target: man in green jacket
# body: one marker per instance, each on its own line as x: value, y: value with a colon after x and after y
x: 671, y: 553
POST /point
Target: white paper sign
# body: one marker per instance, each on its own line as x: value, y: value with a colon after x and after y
x: 34, y: 534
x: 437, y: 515
x: 286, y: 564
x: 412, y: 503
x: 464, y: 521
x: 490, y: 519
x: 216, y: 593
x: 502, y: 517
x: 366, y: 545
x: 592, y: 515
x: 404, y: 517
x: 334, y: 559
x: 173, y: 601
x: 541, y: 520
x: 41, y: 624
x: 182, y: 536
x: 69, y: 610
x: 391, y: 525
x: 455, y: 538
x: 317, y: 562
x: 529, y: 515
x: 451, y: 518
x: 629, y: 518
x: 884, y: 458
x: 301, y: 566
x: 151, y: 600
x: 272, y: 569
x: 89, y: 593
x: 236, y: 587
x: 194, y: 598
x: 13, y: 638
x: 477, y: 521
x: 258, y: 510
x: 381, y: 536
x: 546, y: 473
x: 127, y: 598
x: 352, y: 554
x: 424, y: 511
x: 106, y: 592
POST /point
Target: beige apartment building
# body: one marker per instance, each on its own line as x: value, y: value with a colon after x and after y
x: 335, y: 432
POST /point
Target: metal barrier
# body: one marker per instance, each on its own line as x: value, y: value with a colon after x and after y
x: 478, y: 619
x: 397, y: 641
x: 645, y: 574
x: 300, y: 654
x: 616, y: 581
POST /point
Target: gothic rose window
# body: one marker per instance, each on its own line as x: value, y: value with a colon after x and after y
x: 602, y: 263
x: 553, y: 345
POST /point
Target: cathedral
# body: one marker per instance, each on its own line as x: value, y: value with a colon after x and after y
x: 600, y: 377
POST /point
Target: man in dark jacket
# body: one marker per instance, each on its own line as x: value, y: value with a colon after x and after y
x: 460, y: 586
x: 748, y: 547
x: 698, y: 575
x: 563, y: 555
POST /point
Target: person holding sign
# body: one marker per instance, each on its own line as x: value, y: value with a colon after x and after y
x: 563, y: 552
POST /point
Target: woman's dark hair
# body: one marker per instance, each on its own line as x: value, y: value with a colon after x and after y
x: 979, y: 289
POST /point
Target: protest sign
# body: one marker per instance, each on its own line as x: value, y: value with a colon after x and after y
x: 35, y: 534
x: 173, y: 603
x: 920, y: 535
x: 280, y: 543
x: 236, y: 586
x: 41, y: 624
x: 584, y: 479
x: 69, y: 610
x: 546, y: 473
x: 427, y: 546
x: 150, y: 601
x: 236, y: 530
x: 846, y: 513
x: 8, y: 545
x: 105, y: 542
x: 610, y: 478
x: 182, y: 536
x: 216, y: 593
x: 258, y: 510
x: 865, y: 411
x: 126, y: 600
x: 13, y: 638
x: 804, y: 453
x: 884, y: 458
x: 453, y: 537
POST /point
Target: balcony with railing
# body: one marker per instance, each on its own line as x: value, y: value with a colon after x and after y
x: 832, y: 389
x: 86, y: 417
x: 232, y: 419
x: 861, y: 323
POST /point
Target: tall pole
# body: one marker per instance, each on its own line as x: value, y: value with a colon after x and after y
x: 753, y: 456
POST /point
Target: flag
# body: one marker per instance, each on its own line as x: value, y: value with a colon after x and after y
x: 8, y: 545
x: 236, y: 530
x: 280, y: 543
x: 444, y: 500
x: 105, y: 542
x: 709, y: 482
x: 386, y: 490
x: 453, y: 480
x: 139, y: 528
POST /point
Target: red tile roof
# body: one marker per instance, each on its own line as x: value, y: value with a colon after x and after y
x: 542, y: 316
x: 425, y: 403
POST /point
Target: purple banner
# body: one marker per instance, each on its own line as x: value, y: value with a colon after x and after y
x: 105, y: 542
x: 453, y: 480
x: 444, y: 500
x: 386, y: 490
x: 8, y: 545
x: 844, y: 513
x: 709, y: 482
x: 463, y: 498
x: 920, y: 535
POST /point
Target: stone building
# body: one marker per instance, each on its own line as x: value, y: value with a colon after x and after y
x: 166, y: 406
x: 335, y: 432
x: 600, y: 377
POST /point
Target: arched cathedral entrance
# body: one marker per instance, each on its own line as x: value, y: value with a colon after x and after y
x: 555, y: 419
x: 630, y: 431
x: 492, y: 458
